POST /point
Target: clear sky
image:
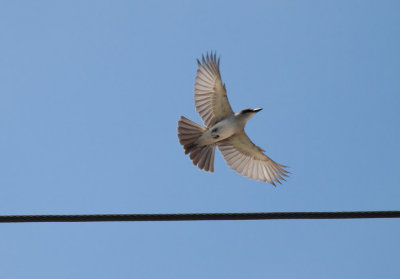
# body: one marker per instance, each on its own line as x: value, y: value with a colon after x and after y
x: 90, y: 93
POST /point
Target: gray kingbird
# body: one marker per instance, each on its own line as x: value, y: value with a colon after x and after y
x: 224, y: 129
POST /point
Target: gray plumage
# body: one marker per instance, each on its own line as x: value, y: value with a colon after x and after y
x: 224, y: 129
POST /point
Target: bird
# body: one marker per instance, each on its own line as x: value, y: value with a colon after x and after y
x: 223, y: 129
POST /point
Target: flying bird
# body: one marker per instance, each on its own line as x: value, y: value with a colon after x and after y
x: 223, y: 128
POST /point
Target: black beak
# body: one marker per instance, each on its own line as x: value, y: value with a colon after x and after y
x: 257, y: 109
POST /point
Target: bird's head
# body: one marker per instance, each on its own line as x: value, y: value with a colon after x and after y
x: 248, y: 113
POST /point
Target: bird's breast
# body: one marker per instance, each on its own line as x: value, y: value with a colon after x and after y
x: 220, y: 131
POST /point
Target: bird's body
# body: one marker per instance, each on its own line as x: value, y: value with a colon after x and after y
x: 221, y: 130
x: 224, y: 129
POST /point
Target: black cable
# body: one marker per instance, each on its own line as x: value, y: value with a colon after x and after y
x: 198, y: 216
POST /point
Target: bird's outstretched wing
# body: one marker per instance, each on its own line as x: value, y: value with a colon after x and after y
x: 209, y: 92
x: 242, y: 155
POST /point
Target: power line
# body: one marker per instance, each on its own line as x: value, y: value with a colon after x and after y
x: 198, y: 216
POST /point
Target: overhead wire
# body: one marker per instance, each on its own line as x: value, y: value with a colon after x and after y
x: 198, y: 216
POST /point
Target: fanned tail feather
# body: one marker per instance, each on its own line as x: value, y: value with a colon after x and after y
x: 188, y: 133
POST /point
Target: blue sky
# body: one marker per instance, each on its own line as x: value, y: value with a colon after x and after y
x: 90, y: 93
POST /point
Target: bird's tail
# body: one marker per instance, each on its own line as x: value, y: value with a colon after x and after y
x: 188, y: 133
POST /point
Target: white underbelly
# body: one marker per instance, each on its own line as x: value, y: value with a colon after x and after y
x: 224, y: 129
x: 220, y: 131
